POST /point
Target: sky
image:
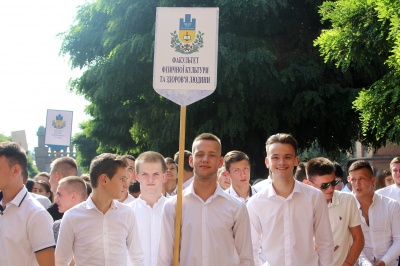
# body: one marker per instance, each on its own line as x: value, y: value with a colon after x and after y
x: 33, y: 76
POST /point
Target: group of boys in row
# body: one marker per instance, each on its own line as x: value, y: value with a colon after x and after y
x: 282, y: 222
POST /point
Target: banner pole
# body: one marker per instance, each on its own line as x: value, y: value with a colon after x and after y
x: 178, y: 217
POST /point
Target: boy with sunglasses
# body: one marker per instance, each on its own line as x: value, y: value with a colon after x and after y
x: 344, y: 219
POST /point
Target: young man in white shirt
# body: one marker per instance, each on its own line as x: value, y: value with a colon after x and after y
x: 393, y: 191
x: 289, y: 219
x: 26, y: 237
x: 187, y: 170
x: 60, y: 168
x: 344, y: 219
x: 101, y: 230
x: 172, y: 176
x: 237, y: 163
x: 379, y: 218
x: 215, y: 227
x: 150, y: 173
x: 130, y: 173
x: 71, y: 191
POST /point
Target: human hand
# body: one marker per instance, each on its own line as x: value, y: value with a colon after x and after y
x: 380, y: 263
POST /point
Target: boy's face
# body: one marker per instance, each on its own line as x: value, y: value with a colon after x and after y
x: 117, y: 186
x: 362, y: 182
x: 240, y: 173
x: 206, y: 159
x: 172, y: 173
x: 151, y: 177
x: 281, y: 160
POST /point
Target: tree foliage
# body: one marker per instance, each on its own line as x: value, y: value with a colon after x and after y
x: 365, y: 37
x: 270, y: 79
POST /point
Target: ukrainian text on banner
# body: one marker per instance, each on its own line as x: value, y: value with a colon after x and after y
x: 58, y: 127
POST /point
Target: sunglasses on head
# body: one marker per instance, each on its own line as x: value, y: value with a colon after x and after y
x: 334, y: 183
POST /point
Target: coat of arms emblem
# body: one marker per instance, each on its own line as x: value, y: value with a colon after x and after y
x: 187, y: 41
x: 59, y: 123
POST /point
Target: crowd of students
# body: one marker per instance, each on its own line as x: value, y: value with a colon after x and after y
x: 124, y: 211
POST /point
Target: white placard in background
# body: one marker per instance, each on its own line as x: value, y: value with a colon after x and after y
x: 20, y: 138
x: 58, y: 127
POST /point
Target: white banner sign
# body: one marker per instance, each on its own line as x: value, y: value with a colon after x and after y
x: 186, y: 53
x: 58, y: 127
x: 20, y: 138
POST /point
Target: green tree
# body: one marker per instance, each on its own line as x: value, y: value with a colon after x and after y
x: 270, y: 79
x: 364, y: 37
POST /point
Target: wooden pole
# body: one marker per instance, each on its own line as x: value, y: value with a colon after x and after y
x: 178, y: 217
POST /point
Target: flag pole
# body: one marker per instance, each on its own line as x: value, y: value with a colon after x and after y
x: 178, y: 217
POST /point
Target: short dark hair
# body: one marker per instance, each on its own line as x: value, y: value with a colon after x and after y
x: 150, y: 157
x: 105, y: 163
x: 134, y: 187
x: 169, y: 160
x: 338, y: 170
x: 357, y: 165
x: 234, y: 157
x: 66, y: 166
x: 15, y: 155
x: 300, y: 173
x: 282, y: 138
x: 206, y: 136
x: 186, y: 165
x: 29, y: 185
x: 319, y: 166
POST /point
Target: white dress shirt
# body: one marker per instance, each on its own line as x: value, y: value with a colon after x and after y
x: 215, y: 232
x: 25, y: 228
x: 129, y: 199
x: 392, y: 191
x: 149, y: 224
x: 94, y: 238
x: 343, y: 214
x: 42, y: 200
x: 184, y: 185
x: 285, y: 228
x: 232, y: 191
x: 382, y: 236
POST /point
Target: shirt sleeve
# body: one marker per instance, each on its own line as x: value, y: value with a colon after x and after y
x: 167, y: 238
x: 393, y: 252
x: 40, y: 237
x: 135, y: 252
x: 242, y: 234
x: 256, y: 232
x: 65, y: 242
x: 322, y: 231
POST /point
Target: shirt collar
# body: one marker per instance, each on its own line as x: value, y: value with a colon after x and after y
x: 373, y: 200
x: 270, y: 191
x: 218, y: 192
x: 19, y: 198
x: 143, y: 202
x: 335, y: 199
x: 90, y: 204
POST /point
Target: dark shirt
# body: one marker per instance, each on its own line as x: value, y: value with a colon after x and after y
x: 53, y: 210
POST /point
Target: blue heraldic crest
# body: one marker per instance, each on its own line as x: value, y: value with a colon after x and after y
x: 187, y: 42
x: 59, y: 123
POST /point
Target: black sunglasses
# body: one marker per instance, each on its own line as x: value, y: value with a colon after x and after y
x: 334, y: 183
